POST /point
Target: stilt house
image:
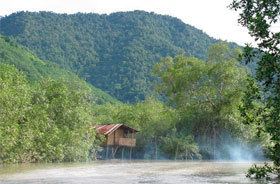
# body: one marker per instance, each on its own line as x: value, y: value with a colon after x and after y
x: 117, y: 136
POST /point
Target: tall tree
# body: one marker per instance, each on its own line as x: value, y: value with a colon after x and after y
x: 206, y: 93
x: 260, y: 18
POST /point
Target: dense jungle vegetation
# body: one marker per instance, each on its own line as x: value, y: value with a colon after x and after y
x: 48, y: 114
x: 190, y: 96
x: 115, y: 52
x: 36, y: 69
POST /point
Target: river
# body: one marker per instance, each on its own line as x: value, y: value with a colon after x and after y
x: 127, y: 172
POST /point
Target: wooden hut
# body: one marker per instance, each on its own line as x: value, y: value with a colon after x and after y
x: 117, y: 136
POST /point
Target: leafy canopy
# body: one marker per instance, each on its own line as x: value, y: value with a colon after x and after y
x: 206, y: 93
x: 49, y: 122
x: 261, y: 18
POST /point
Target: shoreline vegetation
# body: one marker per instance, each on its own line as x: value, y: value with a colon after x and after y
x: 52, y: 120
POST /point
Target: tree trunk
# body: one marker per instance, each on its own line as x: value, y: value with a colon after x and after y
x: 214, y: 143
x: 155, y: 150
x: 176, y: 152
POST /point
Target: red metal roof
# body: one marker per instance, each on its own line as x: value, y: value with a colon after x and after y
x: 109, y: 128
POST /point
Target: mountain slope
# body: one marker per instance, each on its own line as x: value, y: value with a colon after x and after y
x: 36, y: 69
x: 114, y: 52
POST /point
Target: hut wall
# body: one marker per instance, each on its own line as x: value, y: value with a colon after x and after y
x: 115, y: 136
x: 119, y: 133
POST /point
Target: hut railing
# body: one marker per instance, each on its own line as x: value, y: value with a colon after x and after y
x: 130, y: 142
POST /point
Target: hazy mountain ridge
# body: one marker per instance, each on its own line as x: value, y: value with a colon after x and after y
x: 114, y: 52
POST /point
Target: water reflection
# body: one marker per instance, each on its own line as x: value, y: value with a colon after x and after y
x: 151, y: 172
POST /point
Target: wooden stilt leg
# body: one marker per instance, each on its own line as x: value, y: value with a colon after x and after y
x: 130, y: 153
x: 107, y: 149
x: 112, y: 155
x: 122, y: 152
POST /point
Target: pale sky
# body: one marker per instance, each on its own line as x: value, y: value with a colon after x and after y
x: 211, y: 16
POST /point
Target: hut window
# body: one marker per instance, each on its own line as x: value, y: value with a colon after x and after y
x: 127, y: 134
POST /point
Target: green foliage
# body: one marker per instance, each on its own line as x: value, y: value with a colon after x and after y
x: 207, y: 94
x: 14, y: 102
x: 54, y: 118
x: 35, y: 69
x: 69, y: 119
x: 260, y: 17
x: 55, y: 112
x: 113, y: 52
x: 51, y: 121
x: 260, y: 172
x: 205, y: 99
x: 180, y: 146
x: 252, y: 109
x: 152, y: 118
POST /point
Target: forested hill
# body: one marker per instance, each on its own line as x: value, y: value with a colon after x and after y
x: 36, y: 69
x: 113, y: 52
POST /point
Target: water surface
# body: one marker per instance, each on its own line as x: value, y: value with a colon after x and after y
x: 125, y: 172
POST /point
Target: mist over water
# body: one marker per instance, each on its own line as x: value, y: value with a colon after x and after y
x: 228, y: 151
x: 238, y: 152
x: 230, y: 148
